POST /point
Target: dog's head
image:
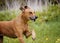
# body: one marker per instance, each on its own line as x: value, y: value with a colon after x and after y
x: 28, y: 13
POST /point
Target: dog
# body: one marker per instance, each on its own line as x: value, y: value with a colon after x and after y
x: 18, y: 27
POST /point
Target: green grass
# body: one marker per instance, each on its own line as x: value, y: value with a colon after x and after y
x: 46, y: 31
x: 8, y: 15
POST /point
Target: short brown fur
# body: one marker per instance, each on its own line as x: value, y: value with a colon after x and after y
x: 16, y: 27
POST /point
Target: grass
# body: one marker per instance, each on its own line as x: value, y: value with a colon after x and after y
x: 46, y: 31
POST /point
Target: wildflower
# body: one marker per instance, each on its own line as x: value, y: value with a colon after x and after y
x: 58, y: 39
x: 46, y: 38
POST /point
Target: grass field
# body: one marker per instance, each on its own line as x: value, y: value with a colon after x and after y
x: 45, y: 33
x: 47, y: 29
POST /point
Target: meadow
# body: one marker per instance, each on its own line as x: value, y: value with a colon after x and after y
x: 47, y: 26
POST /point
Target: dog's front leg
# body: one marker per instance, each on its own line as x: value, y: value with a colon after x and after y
x: 29, y: 33
x: 33, y: 34
x: 20, y: 37
x: 19, y: 34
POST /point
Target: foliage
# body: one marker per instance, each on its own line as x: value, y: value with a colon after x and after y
x: 52, y: 14
x: 47, y: 26
x: 8, y: 15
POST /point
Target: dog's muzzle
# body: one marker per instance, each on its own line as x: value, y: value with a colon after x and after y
x: 33, y: 18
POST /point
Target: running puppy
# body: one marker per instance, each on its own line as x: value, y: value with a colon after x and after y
x: 18, y: 26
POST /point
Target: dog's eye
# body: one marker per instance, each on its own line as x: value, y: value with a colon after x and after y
x: 30, y: 12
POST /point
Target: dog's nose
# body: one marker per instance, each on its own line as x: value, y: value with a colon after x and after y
x: 36, y: 17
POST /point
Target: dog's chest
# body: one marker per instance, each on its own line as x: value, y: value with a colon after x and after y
x: 24, y: 27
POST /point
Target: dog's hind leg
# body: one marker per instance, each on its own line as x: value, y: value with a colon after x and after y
x: 1, y: 39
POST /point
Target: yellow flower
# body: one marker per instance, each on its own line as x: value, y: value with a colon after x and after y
x: 47, y: 38
x: 58, y: 39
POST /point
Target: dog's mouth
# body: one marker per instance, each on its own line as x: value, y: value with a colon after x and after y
x: 33, y: 18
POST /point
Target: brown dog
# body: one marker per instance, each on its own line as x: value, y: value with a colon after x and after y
x: 18, y: 26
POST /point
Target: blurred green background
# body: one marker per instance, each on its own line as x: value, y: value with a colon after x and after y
x: 47, y: 26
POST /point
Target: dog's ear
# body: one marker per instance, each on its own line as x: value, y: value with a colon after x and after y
x: 21, y: 8
x: 25, y: 7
